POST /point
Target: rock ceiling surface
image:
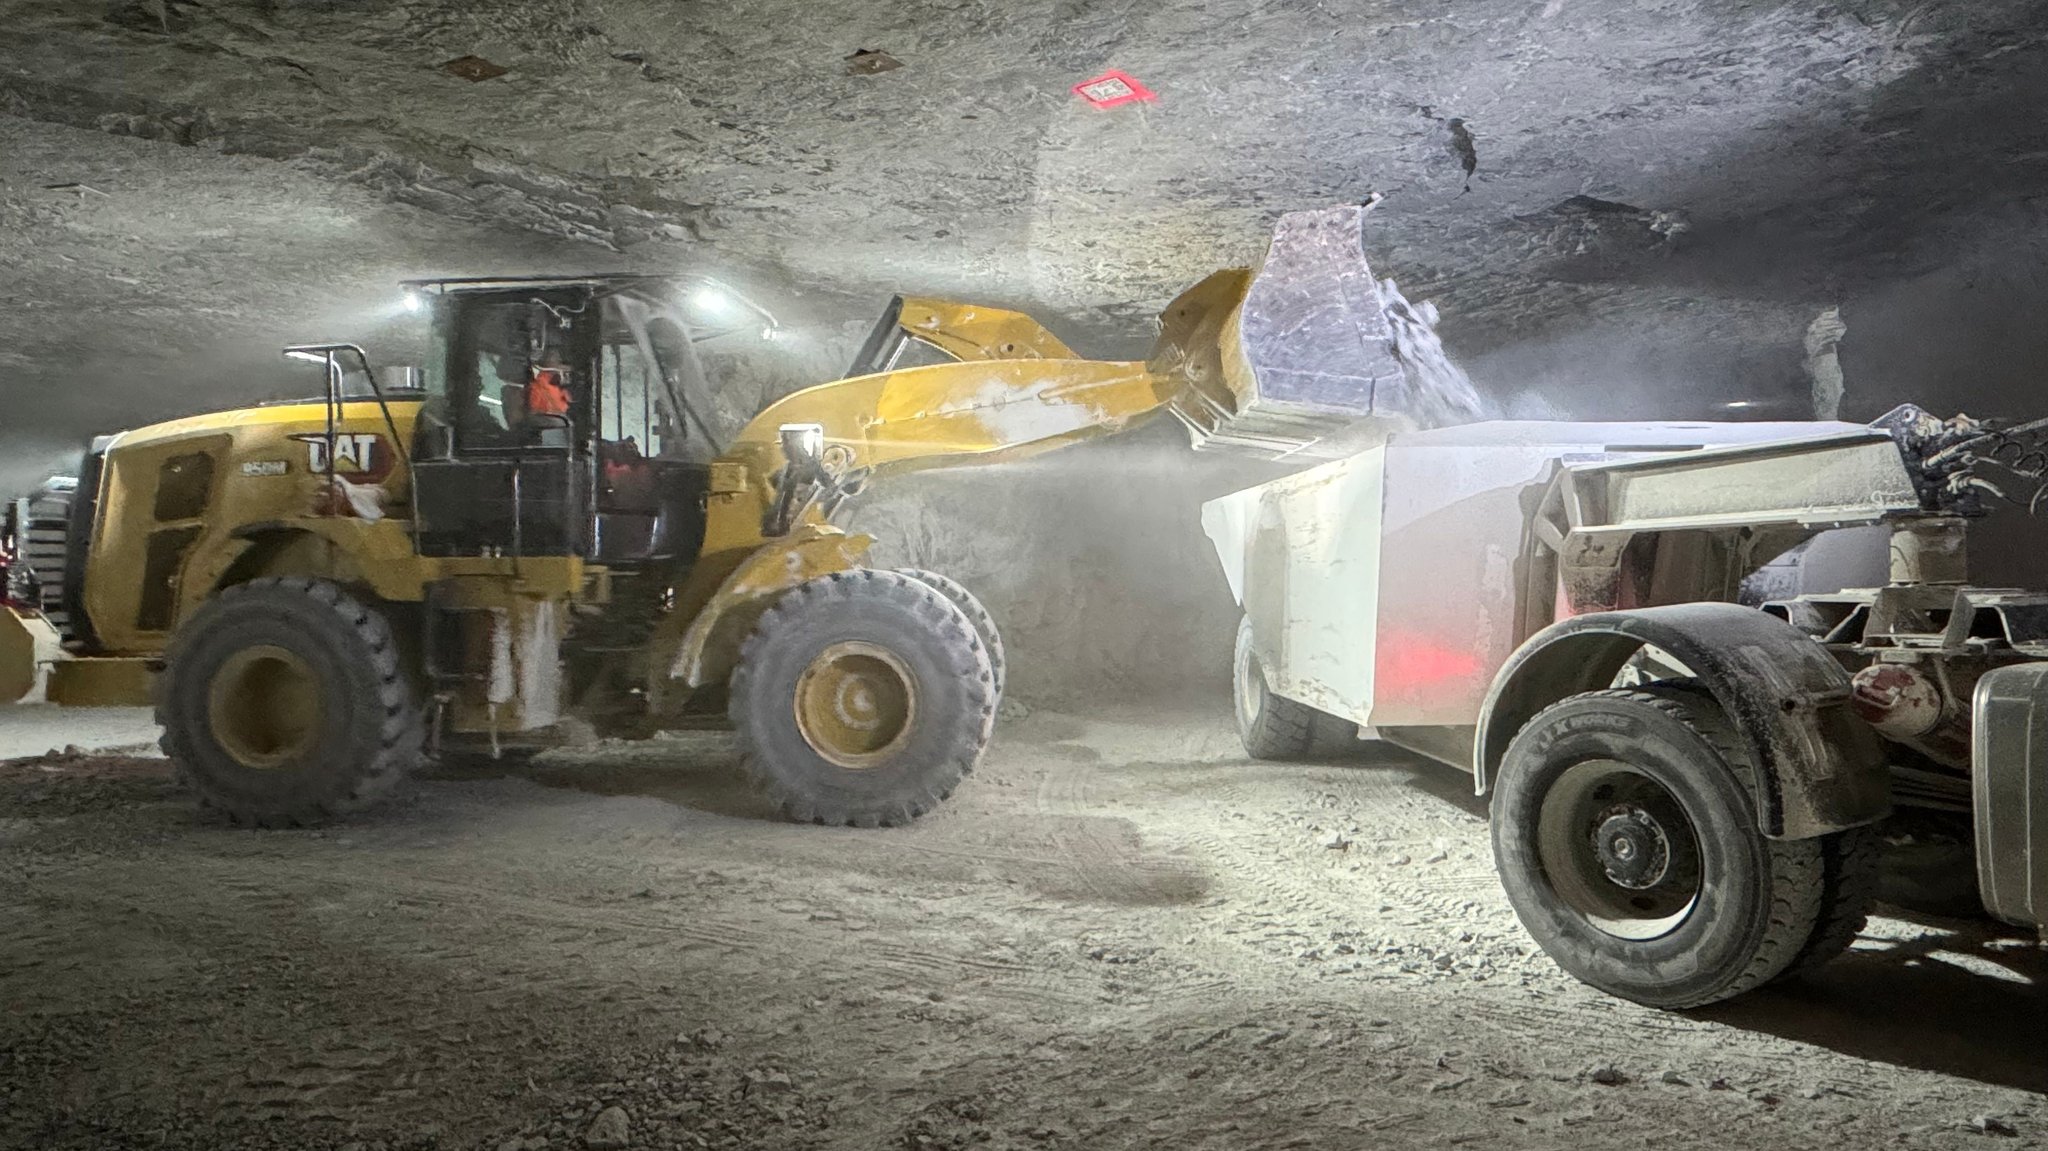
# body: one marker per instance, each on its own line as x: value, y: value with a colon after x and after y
x: 1616, y: 205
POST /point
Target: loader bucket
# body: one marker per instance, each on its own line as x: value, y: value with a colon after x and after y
x: 1310, y: 355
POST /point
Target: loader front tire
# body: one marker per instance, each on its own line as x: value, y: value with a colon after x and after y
x: 862, y: 698
x: 1271, y: 726
x: 970, y: 605
x: 284, y: 703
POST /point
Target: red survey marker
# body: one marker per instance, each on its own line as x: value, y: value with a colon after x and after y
x: 1112, y: 88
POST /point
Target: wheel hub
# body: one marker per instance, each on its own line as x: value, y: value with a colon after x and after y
x: 1632, y: 847
x: 1619, y: 849
x: 856, y: 704
x: 264, y: 707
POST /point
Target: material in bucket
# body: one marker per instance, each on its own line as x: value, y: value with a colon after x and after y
x: 1316, y: 357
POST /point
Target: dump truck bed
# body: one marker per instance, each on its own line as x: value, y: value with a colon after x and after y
x: 1383, y: 587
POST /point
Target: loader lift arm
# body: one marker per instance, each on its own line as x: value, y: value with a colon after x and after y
x: 1275, y: 362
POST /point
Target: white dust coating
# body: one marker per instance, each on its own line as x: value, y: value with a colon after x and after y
x: 539, y: 665
x: 1034, y: 411
x: 501, y: 685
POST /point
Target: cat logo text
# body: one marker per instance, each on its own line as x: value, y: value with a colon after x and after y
x: 359, y: 457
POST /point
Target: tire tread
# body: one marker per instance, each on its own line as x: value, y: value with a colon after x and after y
x: 977, y: 614
x: 1853, y: 862
x: 1284, y: 730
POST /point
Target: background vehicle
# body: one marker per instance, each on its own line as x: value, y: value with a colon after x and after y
x: 1687, y: 794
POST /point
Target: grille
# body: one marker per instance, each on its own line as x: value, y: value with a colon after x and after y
x: 45, y: 529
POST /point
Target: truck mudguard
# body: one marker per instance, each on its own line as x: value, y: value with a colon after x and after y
x: 1820, y: 769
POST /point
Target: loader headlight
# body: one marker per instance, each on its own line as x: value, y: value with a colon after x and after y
x: 712, y: 302
x: 713, y: 305
x: 411, y: 301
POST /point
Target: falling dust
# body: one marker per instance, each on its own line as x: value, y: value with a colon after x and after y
x: 1440, y: 394
x: 1091, y: 559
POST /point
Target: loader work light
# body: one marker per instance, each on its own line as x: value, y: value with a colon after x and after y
x: 712, y: 302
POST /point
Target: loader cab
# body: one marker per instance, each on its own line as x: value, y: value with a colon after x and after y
x: 557, y: 422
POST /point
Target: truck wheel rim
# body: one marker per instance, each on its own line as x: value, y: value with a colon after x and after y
x: 1251, y: 685
x: 1619, y: 849
x: 856, y: 704
x: 264, y: 707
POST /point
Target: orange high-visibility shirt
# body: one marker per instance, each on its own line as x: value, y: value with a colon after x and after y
x: 546, y: 396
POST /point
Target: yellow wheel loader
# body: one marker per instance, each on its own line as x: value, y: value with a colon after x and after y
x: 546, y: 529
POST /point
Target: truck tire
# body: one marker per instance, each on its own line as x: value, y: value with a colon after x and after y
x: 1852, y: 867
x: 970, y: 605
x: 1625, y: 834
x: 1271, y: 726
x: 862, y: 698
x: 284, y: 703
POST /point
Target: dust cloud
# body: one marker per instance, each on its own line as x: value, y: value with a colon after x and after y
x: 28, y: 460
x: 1091, y: 559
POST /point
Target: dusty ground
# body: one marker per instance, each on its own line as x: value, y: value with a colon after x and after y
x: 1120, y: 934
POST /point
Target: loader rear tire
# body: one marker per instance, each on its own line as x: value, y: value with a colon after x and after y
x: 1271, y: 726
x: 970, y: 605
x: 285, y: 703
x: 862, y: 698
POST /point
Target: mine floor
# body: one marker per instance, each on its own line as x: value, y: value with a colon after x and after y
x: 1120, y: 934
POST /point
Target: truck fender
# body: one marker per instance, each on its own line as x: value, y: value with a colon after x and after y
x: 267, y: 548
x: 1820, y: 768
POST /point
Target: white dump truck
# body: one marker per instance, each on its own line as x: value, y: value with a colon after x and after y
x: 1688, y: 792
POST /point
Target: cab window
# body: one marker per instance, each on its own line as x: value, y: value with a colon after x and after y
x: 511, y: 366
x: 628, y: 412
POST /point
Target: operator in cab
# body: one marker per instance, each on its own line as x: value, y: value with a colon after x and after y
x: 547, y: 394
